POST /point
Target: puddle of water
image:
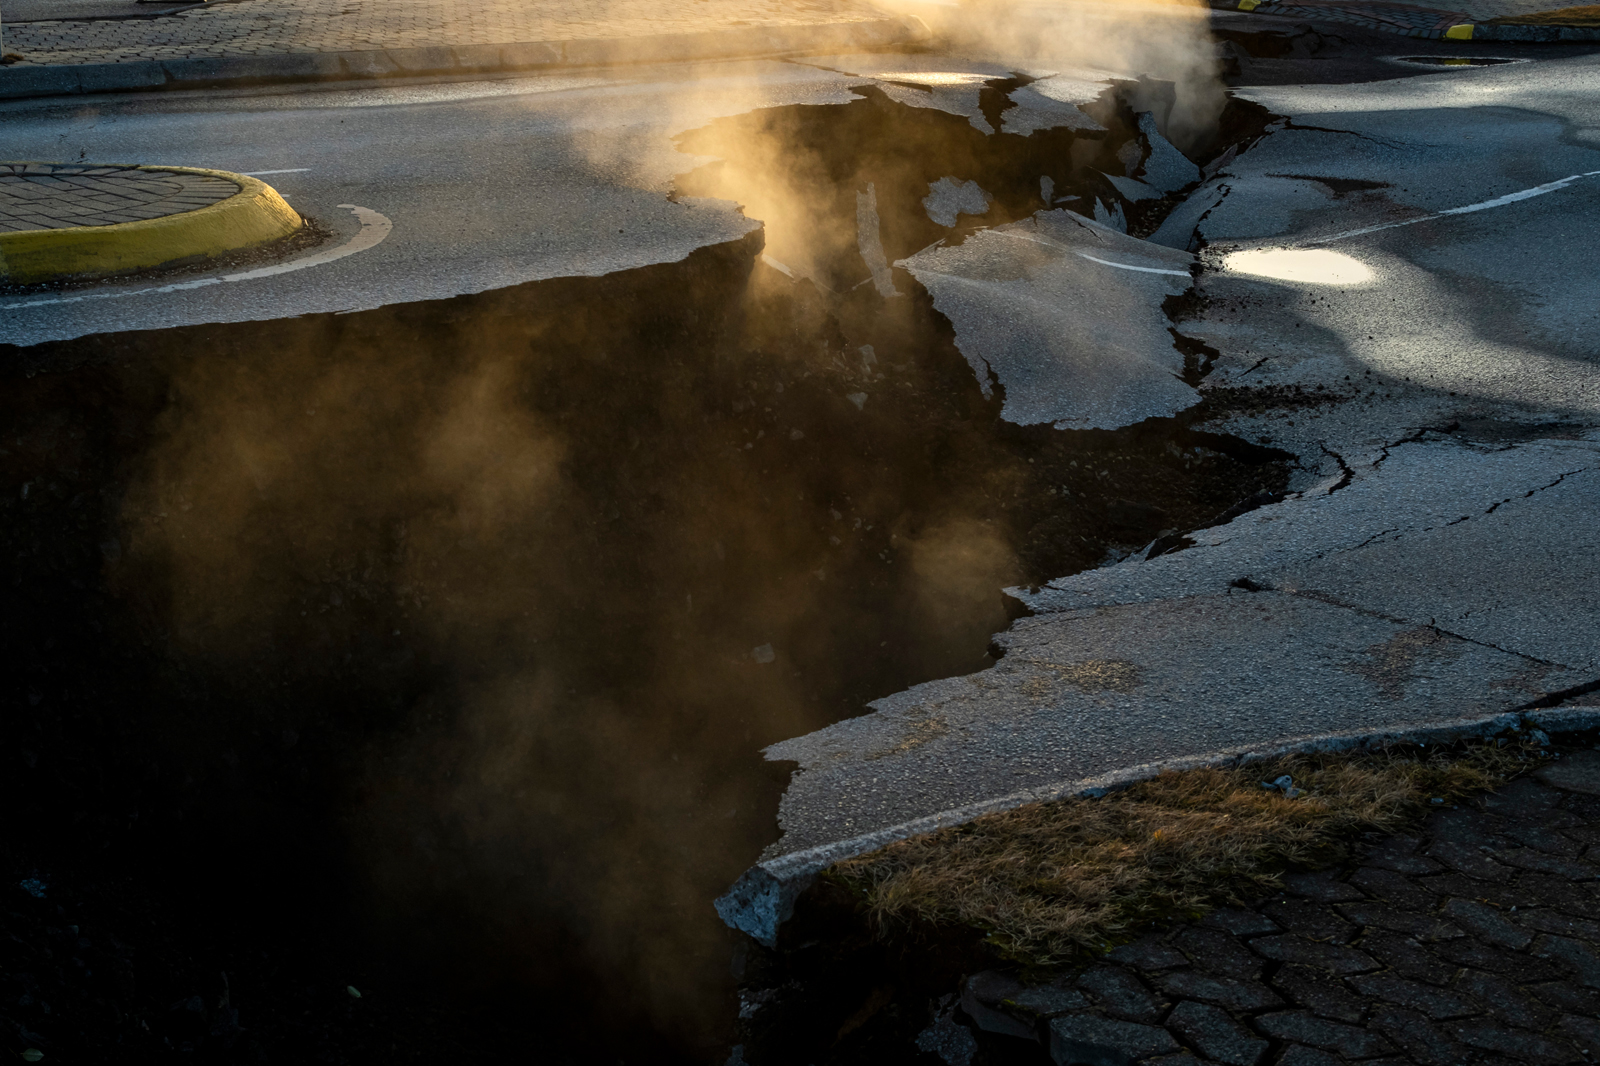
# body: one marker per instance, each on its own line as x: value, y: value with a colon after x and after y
x: 438, y: 643
x: 1308, y: 266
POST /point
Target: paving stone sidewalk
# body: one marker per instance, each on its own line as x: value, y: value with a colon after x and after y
x: 1466, y: 19
x: 297, y: 27
x: 1475, y: 942
x: 55, y: 196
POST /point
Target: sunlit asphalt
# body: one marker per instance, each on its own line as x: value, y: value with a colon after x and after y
x: 487, y: 183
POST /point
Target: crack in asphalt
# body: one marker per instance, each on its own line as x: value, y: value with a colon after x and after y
x: 1196, y: 241
x: 1541, y: 488
x: 1347, y: 476
x: 1290, y: 124
x: 1333, y: 601
x: 1416, y: 437
x: 1560, y: 696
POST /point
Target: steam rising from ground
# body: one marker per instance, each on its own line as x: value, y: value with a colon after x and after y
x: 1163, y: 40
x: 566, y: 558
x: 529, y: 555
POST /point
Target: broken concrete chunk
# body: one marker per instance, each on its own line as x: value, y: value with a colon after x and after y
x: 1112, y: 217
x: 1134, y: 190
x: 1165, y: 168
x: 949, y: 198
x: 1067, y: 315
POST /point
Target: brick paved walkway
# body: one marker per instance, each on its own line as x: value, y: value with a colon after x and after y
x: 53, y: 196
x: 1476, y: 941
x: 287, y: 27
x: 1431, y: 21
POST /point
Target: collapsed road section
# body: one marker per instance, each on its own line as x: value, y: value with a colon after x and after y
x: 1420, y: 571
x: 433, y: 646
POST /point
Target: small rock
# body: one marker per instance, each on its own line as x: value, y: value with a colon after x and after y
x: 763, y: 654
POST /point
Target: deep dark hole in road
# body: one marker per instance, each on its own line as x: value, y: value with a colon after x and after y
x: 427, y: 652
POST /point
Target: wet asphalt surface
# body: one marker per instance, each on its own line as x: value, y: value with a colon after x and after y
x: 413, y: 624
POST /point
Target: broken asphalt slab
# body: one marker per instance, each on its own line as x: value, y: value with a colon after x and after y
x: 1404, y: 586
x: 1067, y: 315
x: 1474, y: 540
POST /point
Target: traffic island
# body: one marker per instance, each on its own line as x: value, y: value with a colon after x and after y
x: 68, y: 221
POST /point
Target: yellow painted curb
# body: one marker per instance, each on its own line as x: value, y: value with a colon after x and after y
x: 1460, y: 32
x: 254, y: 215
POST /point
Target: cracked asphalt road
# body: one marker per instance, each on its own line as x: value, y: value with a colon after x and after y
x: 1439, y: 383
x: 1469, y: 941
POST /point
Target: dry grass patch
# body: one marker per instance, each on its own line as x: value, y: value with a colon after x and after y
x: 1050, y: 881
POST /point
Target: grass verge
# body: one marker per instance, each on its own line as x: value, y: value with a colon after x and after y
x: 1050, y: 882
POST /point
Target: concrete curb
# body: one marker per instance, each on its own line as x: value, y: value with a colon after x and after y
x: 1532, y: 33
x: 254, y: 215
x: 1526, y: 33
x: 764, y: 896
x: 17, y: 82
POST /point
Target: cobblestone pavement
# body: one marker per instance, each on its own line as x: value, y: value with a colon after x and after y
x: 1409, y: 20
x: 54, y: 196
x: 280, y: 27
x: 1476, y: 941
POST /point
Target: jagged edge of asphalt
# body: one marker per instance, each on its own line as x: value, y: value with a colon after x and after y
x: 764, y: 896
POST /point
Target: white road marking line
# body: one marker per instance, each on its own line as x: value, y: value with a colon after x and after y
x: 1483, y: 205
x: 1093, y: 258
x: 374, y: 228
x: 1129, y: 266
x: 264, y: 173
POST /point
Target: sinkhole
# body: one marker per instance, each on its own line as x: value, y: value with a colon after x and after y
x: 429, y: 651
